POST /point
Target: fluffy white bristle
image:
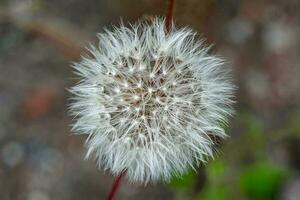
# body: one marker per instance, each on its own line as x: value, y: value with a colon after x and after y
x: 150, y: 101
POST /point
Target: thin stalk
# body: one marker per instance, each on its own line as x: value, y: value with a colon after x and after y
x: 116, y: 186
x: 169, y: 15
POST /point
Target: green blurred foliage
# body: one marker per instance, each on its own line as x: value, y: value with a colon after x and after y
x: 262, y: 181
x: 215, y: 169
x: 186, y: 181
x: 215, y: 188
x: 214, y: 193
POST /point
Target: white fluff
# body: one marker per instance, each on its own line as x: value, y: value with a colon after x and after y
x: 150, y: 101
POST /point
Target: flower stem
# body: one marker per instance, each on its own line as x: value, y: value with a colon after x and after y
x: 116, y: 186
x: 169, y: 15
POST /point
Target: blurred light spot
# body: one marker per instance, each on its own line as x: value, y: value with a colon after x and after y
x: 51, y: 161
x: 239, y: 30
x: 292, y: 190
x: 279, y: 37
x: 37, y: 195
x: 254, y: 79
x: 12, y: 154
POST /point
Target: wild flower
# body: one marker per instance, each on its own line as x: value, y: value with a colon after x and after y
x: 151, y: 102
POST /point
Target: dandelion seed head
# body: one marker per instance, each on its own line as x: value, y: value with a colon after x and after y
x: 150, y: 101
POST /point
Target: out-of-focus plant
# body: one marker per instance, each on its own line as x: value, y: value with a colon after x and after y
x: 262, y: 181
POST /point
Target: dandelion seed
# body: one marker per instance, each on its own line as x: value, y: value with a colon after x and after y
x: 163, y: 98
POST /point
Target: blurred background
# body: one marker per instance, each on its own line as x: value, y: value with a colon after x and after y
x: 40, y: 159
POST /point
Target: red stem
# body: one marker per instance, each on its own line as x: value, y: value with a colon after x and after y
x: 169, y: 15
x: 116, y: 186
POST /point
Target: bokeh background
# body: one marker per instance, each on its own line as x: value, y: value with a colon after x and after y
x: 40, y: 159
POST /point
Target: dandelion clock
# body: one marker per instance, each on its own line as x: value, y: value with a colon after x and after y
x: 150, y: 101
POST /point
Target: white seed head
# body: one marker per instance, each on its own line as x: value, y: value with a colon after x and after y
x: 151, y: 102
